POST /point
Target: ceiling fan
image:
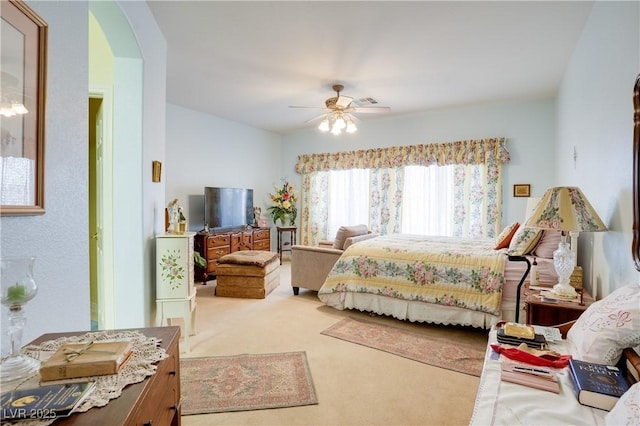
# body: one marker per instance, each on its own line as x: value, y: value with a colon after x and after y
x: 339, y: 112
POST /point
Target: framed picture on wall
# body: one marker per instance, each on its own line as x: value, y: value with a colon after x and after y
x: 522, y: 190
x: 23, y: 64
x: 157, y: 171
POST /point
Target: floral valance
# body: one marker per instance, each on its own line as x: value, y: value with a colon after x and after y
x: 465, y: 152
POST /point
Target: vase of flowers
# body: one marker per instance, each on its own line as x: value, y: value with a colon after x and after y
x: 284, y: 208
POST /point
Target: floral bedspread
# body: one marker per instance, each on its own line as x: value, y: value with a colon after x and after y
x: 462, y: 272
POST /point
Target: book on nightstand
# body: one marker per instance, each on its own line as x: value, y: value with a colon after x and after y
x: 542, y: 378
x: 597, y: 385
x: 44, y: 402
x: 85, y: 360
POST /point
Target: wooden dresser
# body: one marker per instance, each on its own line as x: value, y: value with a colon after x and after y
x: 213, y: 245
x: 154, y: 401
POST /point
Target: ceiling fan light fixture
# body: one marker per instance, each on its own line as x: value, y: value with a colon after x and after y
x: 324, y: 125
x: 339, y: 112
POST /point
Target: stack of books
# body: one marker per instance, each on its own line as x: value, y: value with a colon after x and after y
x: 515, y: 334
x: 85, y: 360
x: 543, y: 378
x: 66, y: 380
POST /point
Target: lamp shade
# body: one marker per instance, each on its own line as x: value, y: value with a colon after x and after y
x: 532, y: 202
x: 565, y: 208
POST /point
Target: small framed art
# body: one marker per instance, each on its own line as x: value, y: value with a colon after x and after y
x: 522, y: 190
x: 157, y: 171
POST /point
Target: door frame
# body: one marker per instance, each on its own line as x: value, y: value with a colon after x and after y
x: 105, y: 277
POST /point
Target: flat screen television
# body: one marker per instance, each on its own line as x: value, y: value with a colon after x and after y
x: 226, y: 208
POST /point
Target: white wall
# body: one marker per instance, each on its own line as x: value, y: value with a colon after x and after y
x: 149, y: 195
x: 203, y: 150
x: 59, y: 238
x: 595, y: 115
x: 529, y: 127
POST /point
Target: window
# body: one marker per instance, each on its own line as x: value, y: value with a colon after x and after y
x: 348, y: 198
x: 451, y: 189
x: 427, y: 200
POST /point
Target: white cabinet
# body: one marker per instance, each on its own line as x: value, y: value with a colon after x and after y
x: 175, y: 292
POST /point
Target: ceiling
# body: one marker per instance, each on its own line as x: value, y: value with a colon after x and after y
x: 249, y: 61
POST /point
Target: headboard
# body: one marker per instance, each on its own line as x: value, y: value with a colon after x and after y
x: 633, y: 360
x: 636, y: 174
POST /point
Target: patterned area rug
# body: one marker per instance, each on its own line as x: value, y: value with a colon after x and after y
x: 245, y: 382
x: 462, y: 357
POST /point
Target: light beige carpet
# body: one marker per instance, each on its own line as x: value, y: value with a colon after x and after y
x: 440, y: 352
x: 355, y: 385
x: 245, y: 382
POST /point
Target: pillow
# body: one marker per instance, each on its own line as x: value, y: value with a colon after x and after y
x: 348, y: 231
x: 627, y: 408
x: 548, y: 244
x: 524, y: 240
x: 352, y: 240
x: 503, y: 240
x: 607, y: 327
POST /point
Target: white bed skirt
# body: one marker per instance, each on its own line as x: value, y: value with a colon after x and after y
x: 409, y: 310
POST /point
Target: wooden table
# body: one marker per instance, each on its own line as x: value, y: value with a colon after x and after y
x: 286, y: 245
x: 553, y: 313
x: 154, y: 401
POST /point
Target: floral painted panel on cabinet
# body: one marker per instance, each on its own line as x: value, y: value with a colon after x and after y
x: 174, y: 265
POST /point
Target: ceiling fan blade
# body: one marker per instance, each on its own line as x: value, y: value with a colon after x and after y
x: 311, y: 120
x: 343, y: 101
x: 354, y: 118
x: 367, y: 110
x: 306, y: 107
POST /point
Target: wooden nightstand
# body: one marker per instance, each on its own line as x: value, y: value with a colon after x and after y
x: 548, y: 313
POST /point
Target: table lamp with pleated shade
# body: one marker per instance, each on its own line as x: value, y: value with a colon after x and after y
x: 566, y: 209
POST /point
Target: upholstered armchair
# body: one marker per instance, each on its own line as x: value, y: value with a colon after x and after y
x: 310, y: 265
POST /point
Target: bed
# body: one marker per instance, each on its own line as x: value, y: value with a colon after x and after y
x: 444, y: 280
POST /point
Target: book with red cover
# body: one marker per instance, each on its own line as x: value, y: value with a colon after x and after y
x: 597, y: 385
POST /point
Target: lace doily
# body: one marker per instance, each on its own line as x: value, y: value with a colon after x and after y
x: 145, y: 354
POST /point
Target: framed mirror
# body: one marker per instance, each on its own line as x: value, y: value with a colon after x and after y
x: 636, y: 174
x: 23, y: 43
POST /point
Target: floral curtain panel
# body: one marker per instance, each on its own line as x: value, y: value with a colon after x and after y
x: 460, y: 152
x: 478, y: 183
x: 385, y: 203
x: 478, y: 199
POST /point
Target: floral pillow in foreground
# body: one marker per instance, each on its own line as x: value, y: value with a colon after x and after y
x: 607, y: 327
